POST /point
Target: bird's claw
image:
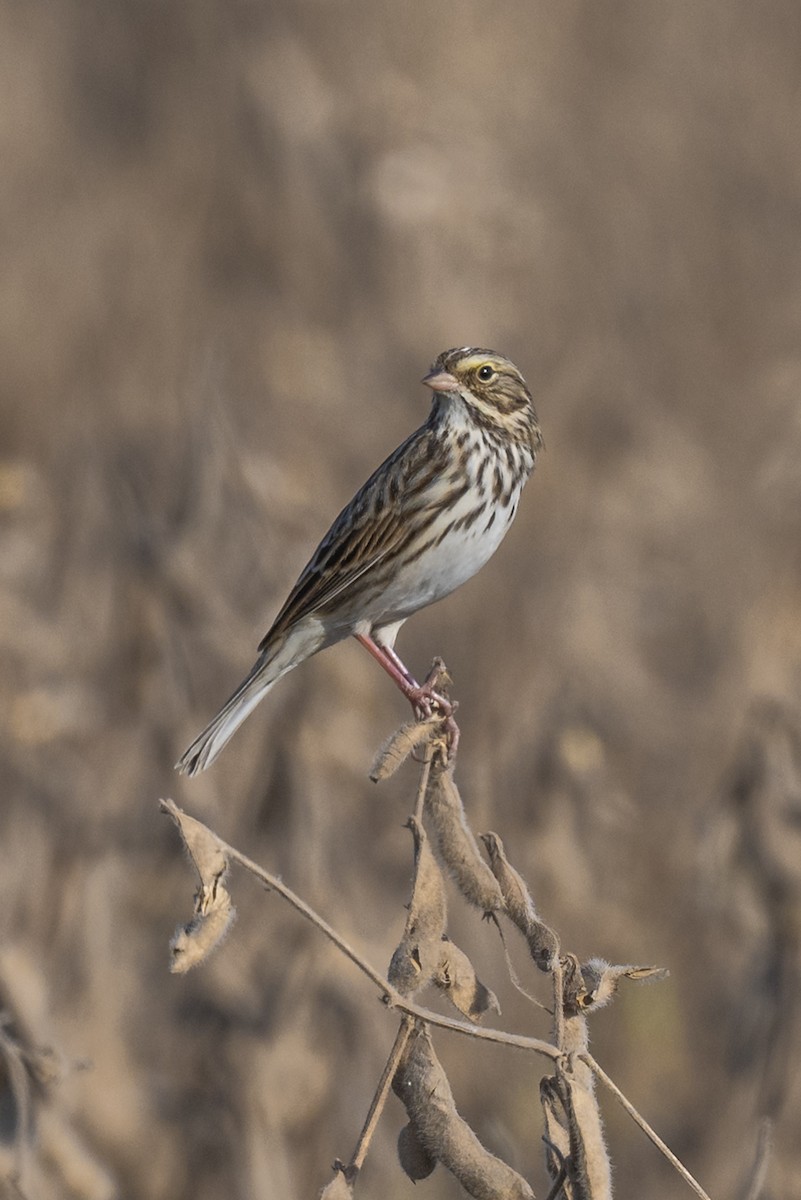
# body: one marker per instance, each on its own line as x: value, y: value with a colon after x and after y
x: 431, y: 697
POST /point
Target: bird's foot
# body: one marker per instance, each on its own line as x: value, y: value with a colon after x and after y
x: 427, y: 698
x: 432, y: 693
x: 432, y: 697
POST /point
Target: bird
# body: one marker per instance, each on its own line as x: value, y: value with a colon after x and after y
x: 425, y: 521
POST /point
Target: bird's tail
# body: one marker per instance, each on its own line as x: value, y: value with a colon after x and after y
x: 209, y: 743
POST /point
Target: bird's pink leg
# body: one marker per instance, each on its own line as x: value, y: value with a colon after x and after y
x: 393, y: 666
x: 423, y: 699
x: 398, y: 661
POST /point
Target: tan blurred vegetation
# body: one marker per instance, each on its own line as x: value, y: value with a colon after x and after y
x: 234, y: 236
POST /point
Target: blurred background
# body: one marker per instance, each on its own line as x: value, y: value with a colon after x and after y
x: 234, y: 236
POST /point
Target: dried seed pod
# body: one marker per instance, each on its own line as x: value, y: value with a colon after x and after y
x: 399, y: 745
x: 427, y: 910
x: 193, y: 943
x: 213, y: 913
x: 338, y: 1188
x: 416, y: 958
x: 422, y: 1086
x: 414, y: 1158
x: 573, y: 1126
x: 542, y: 941
x: 593, y: 984
x: 576, y: 1041
x: 456, y: 977
x: 405, y: 971
x: 456, y: 844
x: 202, y: 846
x: 557, y: 1137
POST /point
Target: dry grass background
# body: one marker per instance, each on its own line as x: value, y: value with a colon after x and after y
x: 234, y: 236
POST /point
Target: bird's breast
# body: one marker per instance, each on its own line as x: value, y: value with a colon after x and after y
x: 459, y: 529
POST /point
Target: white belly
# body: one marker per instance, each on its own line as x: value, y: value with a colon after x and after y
x: 444, y: 567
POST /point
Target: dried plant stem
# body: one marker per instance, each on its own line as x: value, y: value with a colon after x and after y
x: 425, y: 771
x: 500, y: 1037
x: 643, y: 1124
x: 391, y: 994
x: 514, y: 978
x: 379, y: 1099
x: 274, y: 884
x: 558, y: 1003
x: 558, y: 1184
x: 562, y: 1175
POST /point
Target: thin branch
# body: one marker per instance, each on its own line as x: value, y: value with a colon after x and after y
x: 393, y: 998
x: 644, y: 1126
x: 558, y: 1185
x: 516, y: 1040
x: 514, y: 978
x: 379, y: 1099
x: 274, y: 884
x: 558, y: 1003
x: 560, y: 1179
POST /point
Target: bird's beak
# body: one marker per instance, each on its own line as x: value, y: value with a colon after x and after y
x: 440, y: 381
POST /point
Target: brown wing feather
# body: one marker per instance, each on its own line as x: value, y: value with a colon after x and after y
x: 372, y: 526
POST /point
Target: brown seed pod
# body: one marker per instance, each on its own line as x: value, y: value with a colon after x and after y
x: 214, y: 913
x: 416, y: 958
x: 400, y: 744
x: 456, y: 977
x: 414, y: 1158
x: 456, y: 844
x: 574, y: 1130
x: 593, y: 984
x: 543, y: 943
x: 422, y: 1086
x: 337, y: 1189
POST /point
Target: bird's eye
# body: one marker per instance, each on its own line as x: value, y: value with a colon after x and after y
x: 485, y: 373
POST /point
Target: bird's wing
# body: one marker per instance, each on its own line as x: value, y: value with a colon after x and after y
x: 370, y: 528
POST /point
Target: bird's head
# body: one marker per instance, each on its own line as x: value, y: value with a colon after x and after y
x: 489, y: 384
